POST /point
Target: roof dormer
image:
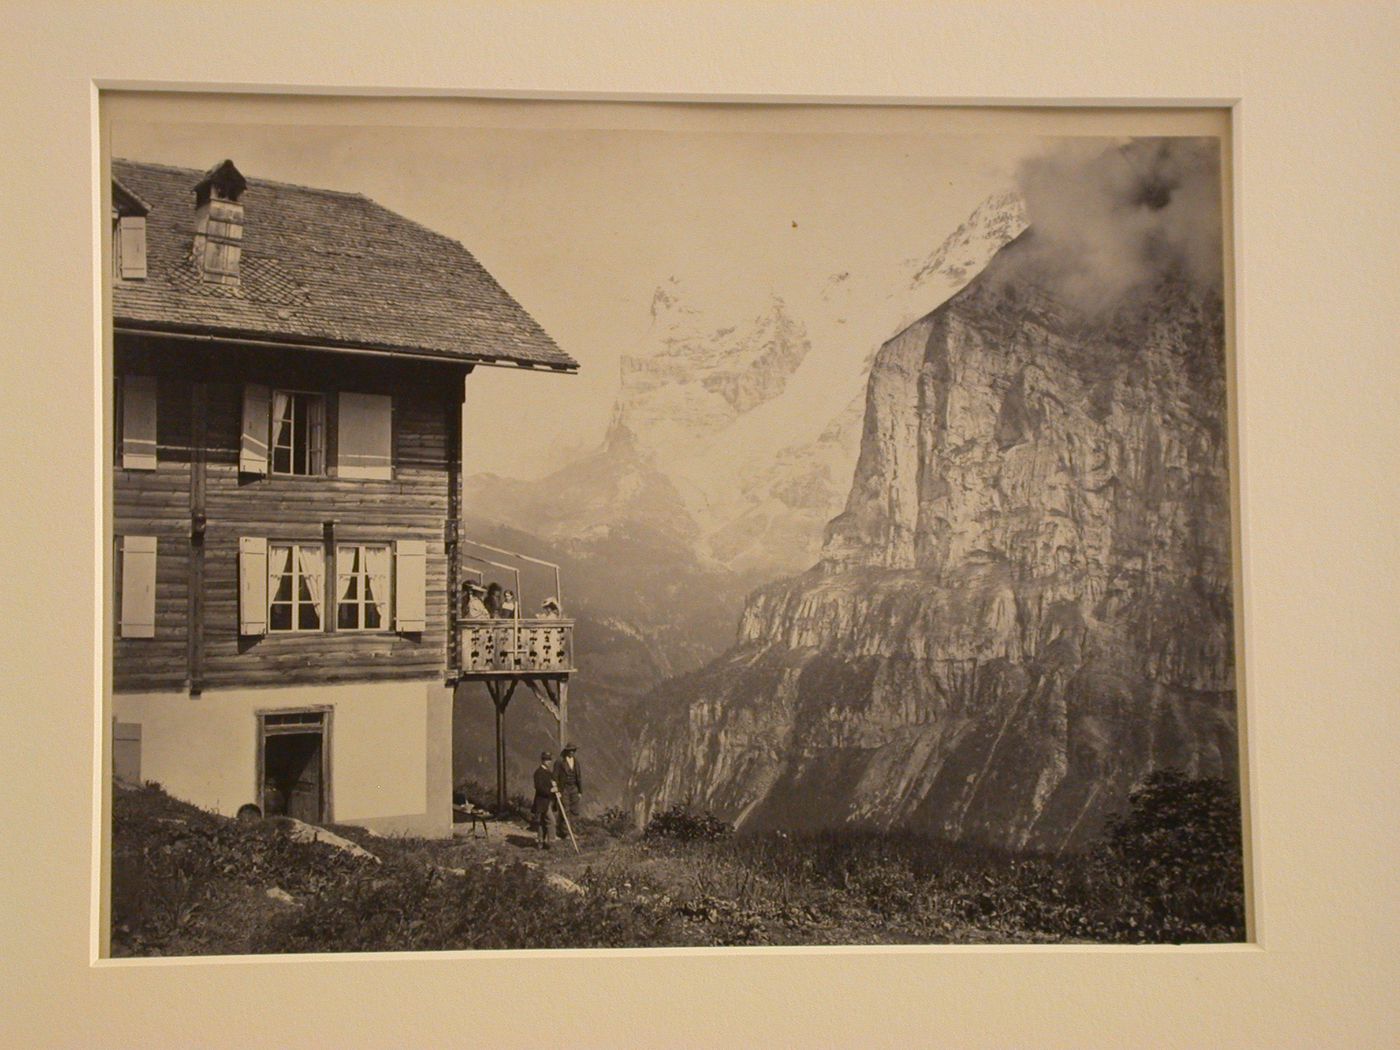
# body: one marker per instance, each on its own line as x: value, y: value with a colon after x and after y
x: 128, y: 233
x: 218, y: 224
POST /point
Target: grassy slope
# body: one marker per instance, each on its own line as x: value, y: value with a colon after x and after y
x: 187, y: 882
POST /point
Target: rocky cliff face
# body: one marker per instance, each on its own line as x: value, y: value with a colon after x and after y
x: 1026, y: 603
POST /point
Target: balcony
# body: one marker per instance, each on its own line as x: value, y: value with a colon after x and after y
x: 516, y: 647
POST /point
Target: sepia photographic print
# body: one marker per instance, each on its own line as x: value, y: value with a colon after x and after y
x: 614, y: 525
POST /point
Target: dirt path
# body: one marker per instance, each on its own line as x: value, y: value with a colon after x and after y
x: 510, y: 841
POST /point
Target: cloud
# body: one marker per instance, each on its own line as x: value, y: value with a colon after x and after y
x: 1108, y: 217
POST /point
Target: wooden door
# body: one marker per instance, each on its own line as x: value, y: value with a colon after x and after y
x: 293, y: 765
x: 304, y: 777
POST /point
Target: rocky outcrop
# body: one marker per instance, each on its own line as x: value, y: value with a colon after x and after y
x: 964, y: 252
x: 1026, y: 603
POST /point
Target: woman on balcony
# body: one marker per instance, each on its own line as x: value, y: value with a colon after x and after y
x: 475, y: 607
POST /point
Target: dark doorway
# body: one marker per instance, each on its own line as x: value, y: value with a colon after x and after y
x: 293, y: 766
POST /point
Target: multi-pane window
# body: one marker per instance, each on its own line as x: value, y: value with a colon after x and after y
x: 298, y: 433
x: 296, y: 582
x: 362, y: 584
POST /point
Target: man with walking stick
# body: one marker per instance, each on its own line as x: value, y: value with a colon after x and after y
x: 545, y: 794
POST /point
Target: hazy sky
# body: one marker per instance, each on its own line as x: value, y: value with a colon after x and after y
x: 580, y: 214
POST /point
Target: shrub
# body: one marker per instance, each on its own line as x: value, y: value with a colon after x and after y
x: 616, y: 821
x: 1175, y: 860
x: 682, y: 823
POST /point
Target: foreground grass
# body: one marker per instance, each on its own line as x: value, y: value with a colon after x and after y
x: 188, y: 882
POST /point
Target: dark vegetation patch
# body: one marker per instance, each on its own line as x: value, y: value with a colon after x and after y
x: 683, y: 823
x: 1169, y: 870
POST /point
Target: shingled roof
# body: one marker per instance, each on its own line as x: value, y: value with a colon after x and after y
x: 322, y: 267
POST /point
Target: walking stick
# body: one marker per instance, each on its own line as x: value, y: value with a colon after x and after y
x: 565, y: 814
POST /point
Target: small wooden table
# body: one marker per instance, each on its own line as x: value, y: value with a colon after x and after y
x: 476, y: 818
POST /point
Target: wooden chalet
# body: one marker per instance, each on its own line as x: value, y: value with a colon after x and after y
x: 289, y: 381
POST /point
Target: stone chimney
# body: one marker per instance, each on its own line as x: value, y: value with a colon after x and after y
x: 218, y: 224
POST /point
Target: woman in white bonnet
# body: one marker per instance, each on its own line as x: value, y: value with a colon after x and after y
x: 476, y: 608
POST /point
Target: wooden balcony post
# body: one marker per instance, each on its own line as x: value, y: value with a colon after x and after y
x: 500, y: 697
x: 500, y: 758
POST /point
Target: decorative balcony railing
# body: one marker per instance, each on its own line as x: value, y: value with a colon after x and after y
x: 545, y: 646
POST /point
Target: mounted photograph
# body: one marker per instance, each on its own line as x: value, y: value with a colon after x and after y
x: 560, y: 525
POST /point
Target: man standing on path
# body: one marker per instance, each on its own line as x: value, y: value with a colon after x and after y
x: 543, y: 810
x: 570, y: 780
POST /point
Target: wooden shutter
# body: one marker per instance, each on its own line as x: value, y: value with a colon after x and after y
x: 131, y: 246
x: 410, y: 585
x: 252, y: 585
x: 365, y: 436
x: 139, y: 422
x: 257, y: 428
x: 138, y: 619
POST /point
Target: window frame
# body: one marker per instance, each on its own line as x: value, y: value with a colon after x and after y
x: 297, y: 576
x: 122, y: 385
x: 360, y: 546
x: 321, y: 398
x: 357, y: 472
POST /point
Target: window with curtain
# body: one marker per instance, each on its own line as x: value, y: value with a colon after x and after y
x: 298, y: 433
x: 362, y: 587
x: 296, y: 586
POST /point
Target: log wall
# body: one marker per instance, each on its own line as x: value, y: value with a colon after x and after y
x: 414, y: 505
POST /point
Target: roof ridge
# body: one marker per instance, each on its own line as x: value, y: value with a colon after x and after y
x: 357, y: 273
x: 252, y: 179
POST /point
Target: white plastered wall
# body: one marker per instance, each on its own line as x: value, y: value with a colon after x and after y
x: 388, y: 770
